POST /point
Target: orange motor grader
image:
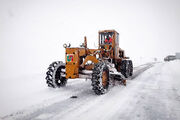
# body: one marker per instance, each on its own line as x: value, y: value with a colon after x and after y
x: 102, y: 65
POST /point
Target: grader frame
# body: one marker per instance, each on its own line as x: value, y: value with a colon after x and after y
x: 109, y: 57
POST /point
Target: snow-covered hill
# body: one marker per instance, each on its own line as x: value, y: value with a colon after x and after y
x: 153, y: 94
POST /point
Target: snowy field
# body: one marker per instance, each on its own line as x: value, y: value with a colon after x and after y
x: 153, y: 93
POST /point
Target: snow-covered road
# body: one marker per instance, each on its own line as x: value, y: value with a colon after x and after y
x: 151, y: 95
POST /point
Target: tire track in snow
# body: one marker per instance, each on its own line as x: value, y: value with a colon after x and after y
x: 140, y: 69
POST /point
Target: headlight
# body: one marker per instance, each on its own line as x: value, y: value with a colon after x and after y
x: 65, y: 45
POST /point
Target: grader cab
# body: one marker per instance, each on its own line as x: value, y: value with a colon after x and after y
x: 105, y: 64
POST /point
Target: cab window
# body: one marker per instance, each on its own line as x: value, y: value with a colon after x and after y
x: 106, y: 38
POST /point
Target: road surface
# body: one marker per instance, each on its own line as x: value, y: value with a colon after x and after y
x: 153, y: 93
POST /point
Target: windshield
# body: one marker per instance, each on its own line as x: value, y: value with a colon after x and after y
x: 106, y: 38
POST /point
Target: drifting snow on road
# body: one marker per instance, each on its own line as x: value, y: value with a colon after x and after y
x: 151, y: 95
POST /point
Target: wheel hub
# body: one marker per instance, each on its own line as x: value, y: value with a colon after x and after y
x: 104, y: 78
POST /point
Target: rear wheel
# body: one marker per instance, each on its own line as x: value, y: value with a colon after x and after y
x: 55, y: 76
x: 126, y: 68
x: 100, y: 78
x: 131, y: 68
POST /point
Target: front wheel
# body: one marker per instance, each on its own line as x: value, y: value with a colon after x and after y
x: 55, y: 76
x: 100, y: 78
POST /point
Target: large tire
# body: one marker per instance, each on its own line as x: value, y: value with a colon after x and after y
x: 126, y: 68
x: 55, y: 76
x: 131, y: 67
x: 100, y: 78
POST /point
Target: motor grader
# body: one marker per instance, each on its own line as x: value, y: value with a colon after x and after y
x: 103, y: 65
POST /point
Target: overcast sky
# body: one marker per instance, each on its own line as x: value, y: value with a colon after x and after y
x: 32, y: 32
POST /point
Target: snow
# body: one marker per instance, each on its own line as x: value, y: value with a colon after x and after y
x: 32, y: 34
x: 153, y: 93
